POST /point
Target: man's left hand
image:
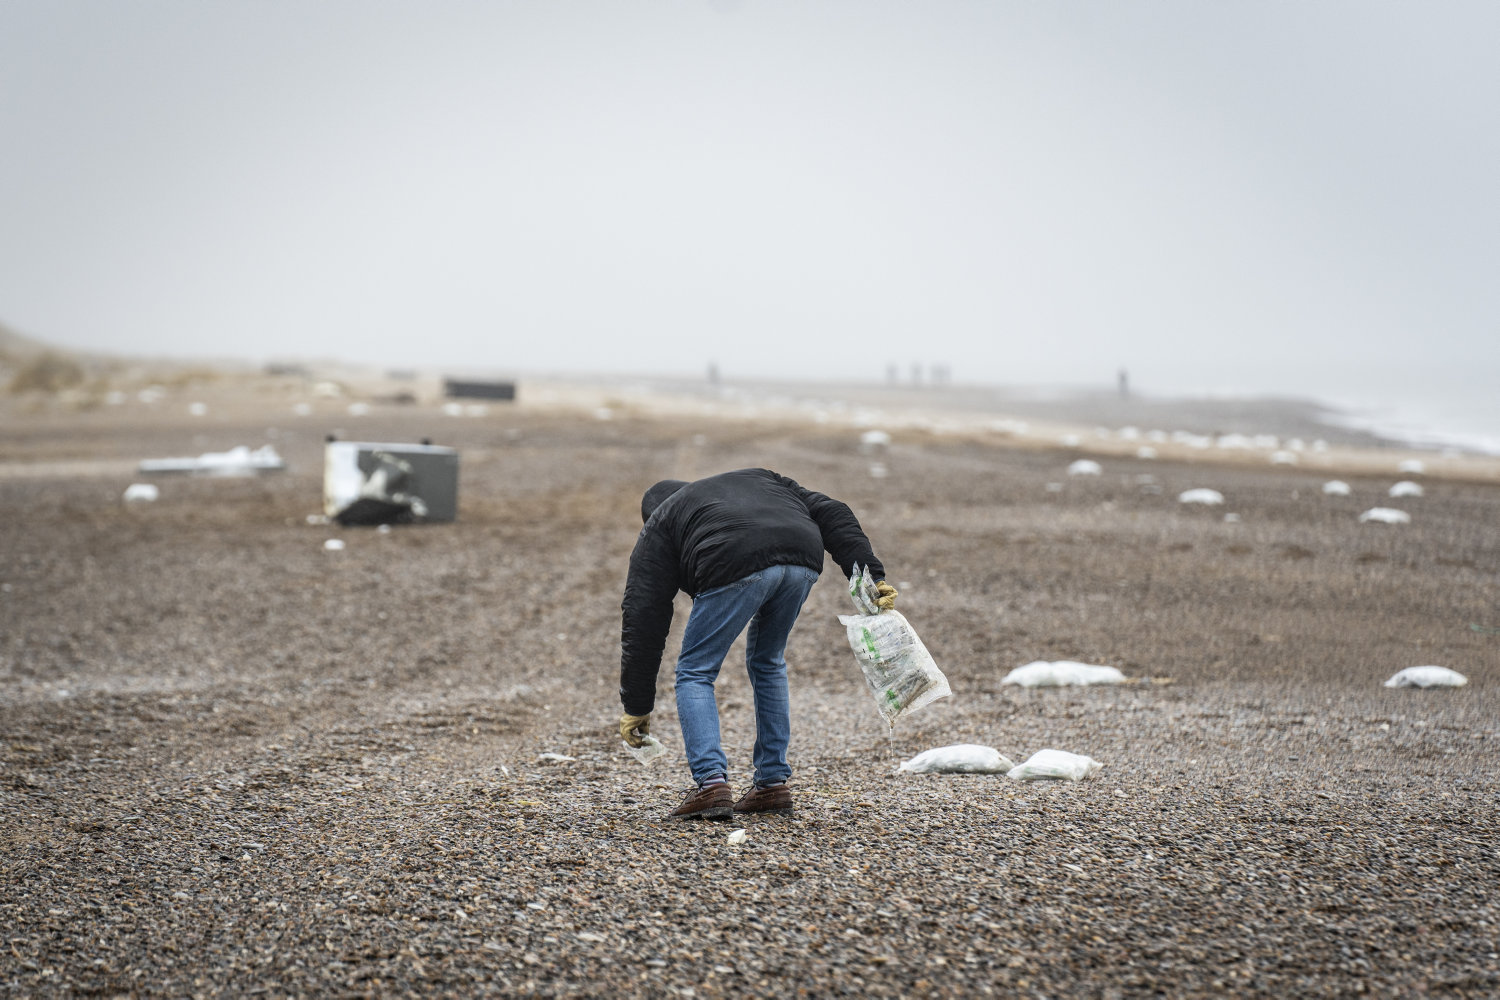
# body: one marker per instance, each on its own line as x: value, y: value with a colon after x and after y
x: 886, y: 596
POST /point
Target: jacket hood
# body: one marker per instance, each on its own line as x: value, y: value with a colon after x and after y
x: 656, y: 495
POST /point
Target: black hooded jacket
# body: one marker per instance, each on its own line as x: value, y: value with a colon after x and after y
x: 714, y: 531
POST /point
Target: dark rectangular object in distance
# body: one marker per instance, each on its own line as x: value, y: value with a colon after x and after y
x: 479, y: 390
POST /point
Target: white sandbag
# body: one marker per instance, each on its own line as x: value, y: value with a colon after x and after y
x: 1055, y: 765
x: 960, y: 758
x: 1385, y: 515
x: 1200, y: 495
x: 1426, y: 677
x: 1085, y: 467
x: 1063, y: 673
x: 900, y: 672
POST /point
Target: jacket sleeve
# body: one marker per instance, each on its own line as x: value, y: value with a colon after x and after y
x: 842, y: 536
x: 646, y: 617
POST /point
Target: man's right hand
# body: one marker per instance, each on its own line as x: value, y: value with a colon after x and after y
x: 885, y: 596
x: 633, y: 729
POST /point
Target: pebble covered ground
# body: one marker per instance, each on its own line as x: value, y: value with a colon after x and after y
x: 235, y: 763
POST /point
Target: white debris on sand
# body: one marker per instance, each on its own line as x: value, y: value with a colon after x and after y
x: 1385, y: 515
x: 141, y: 493
x: 554, y: 758
x: 334, y: 545
x: 1085, y: 467
x: 1201, y: 495
x: 1062, y: 673
x: 650, y: 749
x: 1336, y: 488
x: 1284, y: 458
x: 1405, y: 488
x: 238, y: 461
x: 960, y: 758
x: 1426, y: 677
x: 1411, y: 467
x: 737, y: 837
x: 1055, y: 765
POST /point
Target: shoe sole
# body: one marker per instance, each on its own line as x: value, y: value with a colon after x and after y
x: 765, y: 812
x: 713, y: 812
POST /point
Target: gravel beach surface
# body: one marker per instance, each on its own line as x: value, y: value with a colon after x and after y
x: 233, y: 762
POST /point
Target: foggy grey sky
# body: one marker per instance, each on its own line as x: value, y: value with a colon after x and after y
x: 1261, y: 196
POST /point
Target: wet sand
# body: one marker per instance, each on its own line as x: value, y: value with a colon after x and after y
x: 235, y: 762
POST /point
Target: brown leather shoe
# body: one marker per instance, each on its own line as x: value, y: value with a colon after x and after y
x: 777, y: 799
x: 705, y: 802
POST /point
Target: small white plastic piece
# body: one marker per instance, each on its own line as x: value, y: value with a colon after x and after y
x: 737, y: 837
x: 1411, y: 467
x: 1425, y: 677
x: 1200, y: 495
x: 1063, y: 673
x: 1085, y: 467
x: 1385, y: 515
x: 334, y: 544
x: 554, y: 758
x: 960, y: 758
x: 649, y: 750
x: 143, y: 492
x: 1055, y: 765
x: 1336, y: 488
x: 1405, y: 488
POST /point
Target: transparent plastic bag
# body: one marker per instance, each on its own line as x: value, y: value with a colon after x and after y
x: 1055, y: 765
x: 649, y: 750
x: 960, y: 758
x: 900, y: 672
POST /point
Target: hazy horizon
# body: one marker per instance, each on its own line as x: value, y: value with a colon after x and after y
x: 1289, y: 199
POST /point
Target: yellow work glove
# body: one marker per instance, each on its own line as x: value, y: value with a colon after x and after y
x: 887, y: 599
x: 633, y: 727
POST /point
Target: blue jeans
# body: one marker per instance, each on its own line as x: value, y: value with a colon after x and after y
x: 769, y: 601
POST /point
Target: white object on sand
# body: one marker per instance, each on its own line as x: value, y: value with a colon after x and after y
x: 239, y: 461
x: 1336, y: 488
x: 960, y: 758
x: 1426, y: 677
x: 1062, y: 673
x: 1284, y: 458
x: 648, y: 751
x: 141, y: 492
x: 1055, y: 765
x: 737, y: 836
x: 554, y: 758
x: 1405, y: 488
x: 874, y: 439
x: 1200, y: 496
x: 1085, y: 467
x: 1411, y: 466
x: 334, y: 545
x: 1385, y: 515
x: 1145, y: 451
